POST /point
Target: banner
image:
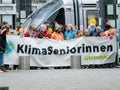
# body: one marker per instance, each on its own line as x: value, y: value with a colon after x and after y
x: 48, y: 52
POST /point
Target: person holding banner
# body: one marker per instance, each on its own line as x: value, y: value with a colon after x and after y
x: 29, y: 32
x: 69, y: 33
x: 44, y: 33
x: 96, y: 31
x: 50, y: 30
x: 57, y: 34
x: 91, y: 27
x: 19, y: 30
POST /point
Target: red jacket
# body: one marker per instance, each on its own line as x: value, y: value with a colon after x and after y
x: 45, y: 34
x: 27, y: 34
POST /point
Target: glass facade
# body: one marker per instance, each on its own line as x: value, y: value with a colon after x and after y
x: 7, y: 18
x: 6, y: 1
x: 8, y: 12
x: 38, y: 1
x: 6, y: 8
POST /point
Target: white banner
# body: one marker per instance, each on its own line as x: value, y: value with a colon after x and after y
x: 48, y: 52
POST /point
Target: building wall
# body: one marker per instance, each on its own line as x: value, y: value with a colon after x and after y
x: 9, y: 10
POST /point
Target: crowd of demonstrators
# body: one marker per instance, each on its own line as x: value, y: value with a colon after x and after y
x: 68, y: 32
x: 59, y: 33
x: 62, y: 32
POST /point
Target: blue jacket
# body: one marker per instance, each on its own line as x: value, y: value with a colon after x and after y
x: 94, y: 33
x: 69, y: 34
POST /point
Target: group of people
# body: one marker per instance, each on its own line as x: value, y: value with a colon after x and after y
x: 69, y: 31
x: 60, y: 32
x: 64, y: 32
x: 106, y: 31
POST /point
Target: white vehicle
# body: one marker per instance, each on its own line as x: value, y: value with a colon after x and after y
x: 68, y: 11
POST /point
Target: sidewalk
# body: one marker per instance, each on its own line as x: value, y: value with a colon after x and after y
x: 69, y: 79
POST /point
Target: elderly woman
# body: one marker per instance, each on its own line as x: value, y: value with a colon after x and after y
x: 96, y: 31
x: 91, y: 27
x: 44, y: 33
x: 69, y: 33
x: 57, y: 34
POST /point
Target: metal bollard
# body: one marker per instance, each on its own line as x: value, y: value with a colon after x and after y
x: 24, y: 62
x: 118, y: 59
x: 75, y: 61
x: 4, y: 88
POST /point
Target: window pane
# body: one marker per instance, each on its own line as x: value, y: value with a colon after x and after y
x: 0, y: 1
x: 6, y: 8
x: 0, y: 19
x: 34, y: 8
x: 7, y: 18
x: 38, y: 1
x: 34, y: 1
x: 92, y: 17
x: 7, y: 1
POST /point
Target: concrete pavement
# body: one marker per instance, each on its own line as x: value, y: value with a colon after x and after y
x: 63, y: 79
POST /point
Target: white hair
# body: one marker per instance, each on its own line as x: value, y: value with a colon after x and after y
x: 43, y: 26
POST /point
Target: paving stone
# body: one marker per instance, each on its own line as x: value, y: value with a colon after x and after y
x: 63, y: 79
